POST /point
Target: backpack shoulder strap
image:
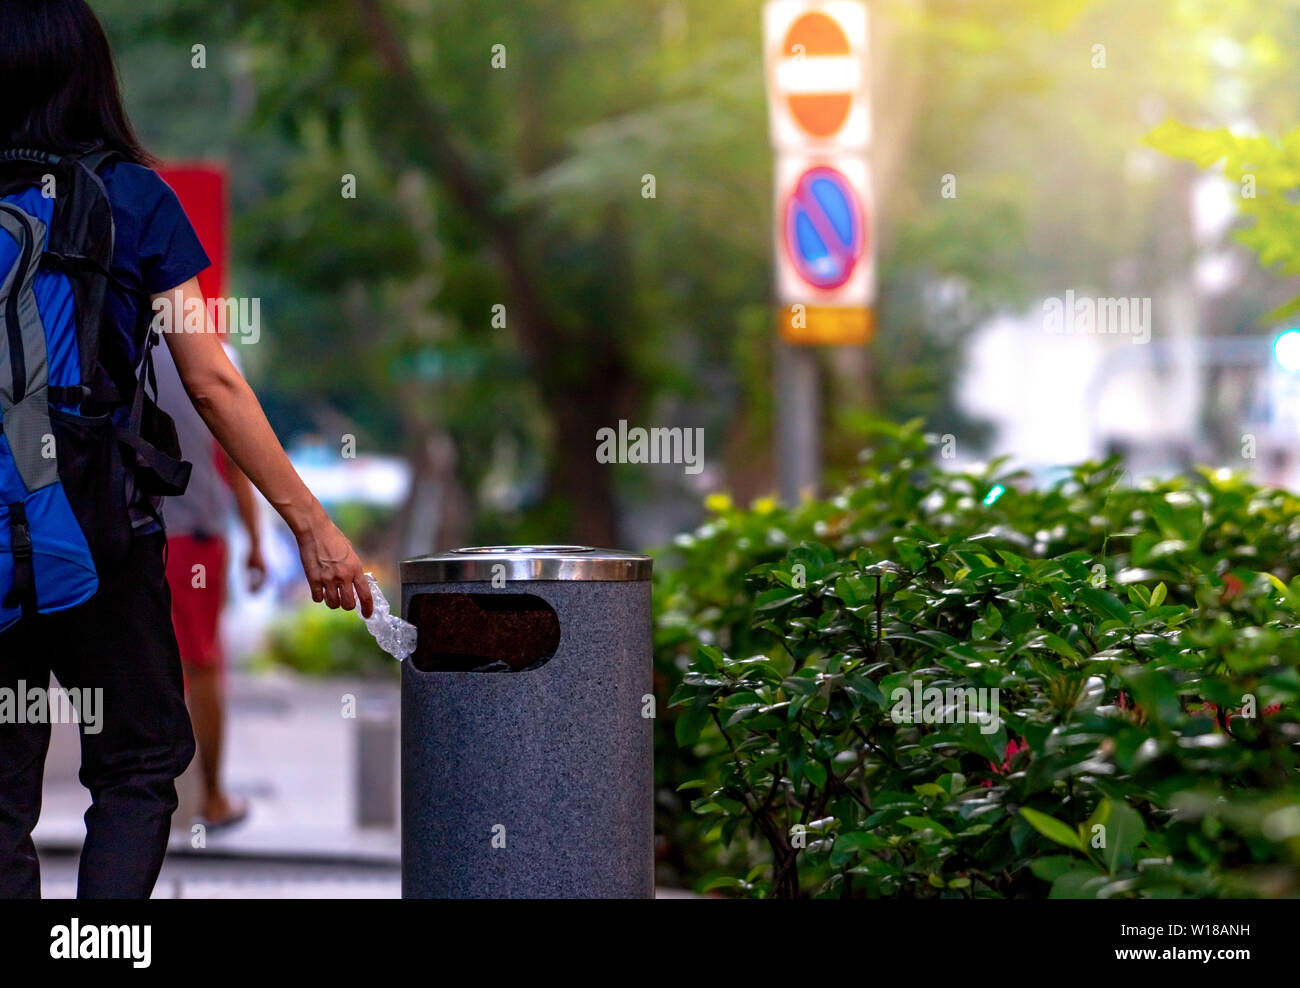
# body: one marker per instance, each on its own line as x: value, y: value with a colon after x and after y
x: 96, y: 160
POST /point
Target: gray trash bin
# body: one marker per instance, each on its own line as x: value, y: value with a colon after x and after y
x: 527, y: 748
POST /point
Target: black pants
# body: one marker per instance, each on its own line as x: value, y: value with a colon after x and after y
x: 120, y: 641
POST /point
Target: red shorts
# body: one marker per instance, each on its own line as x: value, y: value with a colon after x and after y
x: 196, y: 573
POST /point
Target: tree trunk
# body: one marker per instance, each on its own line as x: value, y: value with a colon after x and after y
x: 577, y: 478
x: 577, y: 408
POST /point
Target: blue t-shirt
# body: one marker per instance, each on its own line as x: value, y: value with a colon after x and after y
x: 155, y: 249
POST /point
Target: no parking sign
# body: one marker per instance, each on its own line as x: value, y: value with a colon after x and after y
x: 825, y: 271
x: 825, y: 228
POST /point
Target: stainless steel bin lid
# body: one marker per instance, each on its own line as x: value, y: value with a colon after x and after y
x: 527, y: 562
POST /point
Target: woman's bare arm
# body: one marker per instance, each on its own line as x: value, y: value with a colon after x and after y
x: 227, y: 404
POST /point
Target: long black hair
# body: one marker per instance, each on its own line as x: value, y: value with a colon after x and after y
x: 58, y: 84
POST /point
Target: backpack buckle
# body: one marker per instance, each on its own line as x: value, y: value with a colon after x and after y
x: 23, y: 592
x: 22, y: 541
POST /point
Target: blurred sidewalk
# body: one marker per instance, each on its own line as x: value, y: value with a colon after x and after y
x: 192, y: 877
x: 295, y: 757
x: 293, y: 754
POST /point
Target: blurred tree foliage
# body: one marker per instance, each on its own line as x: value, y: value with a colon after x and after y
x: 1266, y: 171
x: 500, y: 151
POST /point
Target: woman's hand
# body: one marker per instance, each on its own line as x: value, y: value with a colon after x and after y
x: 332, y: 567
x: 255, y: 564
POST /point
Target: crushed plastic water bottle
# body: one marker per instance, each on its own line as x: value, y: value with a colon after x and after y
x: 395, y: 636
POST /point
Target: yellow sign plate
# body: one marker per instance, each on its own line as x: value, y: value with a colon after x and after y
x: 826, y: 325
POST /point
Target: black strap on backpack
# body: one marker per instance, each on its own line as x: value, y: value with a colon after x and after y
x: 169, y: 475
x: 23, y: 591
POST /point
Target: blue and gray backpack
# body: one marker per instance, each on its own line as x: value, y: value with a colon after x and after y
x: 81, y: 441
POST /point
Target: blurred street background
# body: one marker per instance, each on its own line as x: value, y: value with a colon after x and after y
x: 439, y: 350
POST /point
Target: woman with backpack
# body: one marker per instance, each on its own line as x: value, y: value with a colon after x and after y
x: 93, y: 246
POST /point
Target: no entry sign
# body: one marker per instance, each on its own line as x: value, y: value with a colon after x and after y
x: 817, y: 73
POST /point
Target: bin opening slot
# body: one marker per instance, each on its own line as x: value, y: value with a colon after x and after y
x: 483, y: 632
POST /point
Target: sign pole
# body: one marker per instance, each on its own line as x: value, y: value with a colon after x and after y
x: 798, y: 421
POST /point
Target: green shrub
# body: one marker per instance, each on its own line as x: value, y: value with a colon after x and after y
x: 316, y: 641
x: 1130, y: 631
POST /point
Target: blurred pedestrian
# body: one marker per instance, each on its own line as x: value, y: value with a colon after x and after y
x: 197, y: 555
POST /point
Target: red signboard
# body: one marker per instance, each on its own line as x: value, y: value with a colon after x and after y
x: 202, y: 190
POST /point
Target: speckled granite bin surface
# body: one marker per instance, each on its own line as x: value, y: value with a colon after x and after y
x: 555, y: 762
